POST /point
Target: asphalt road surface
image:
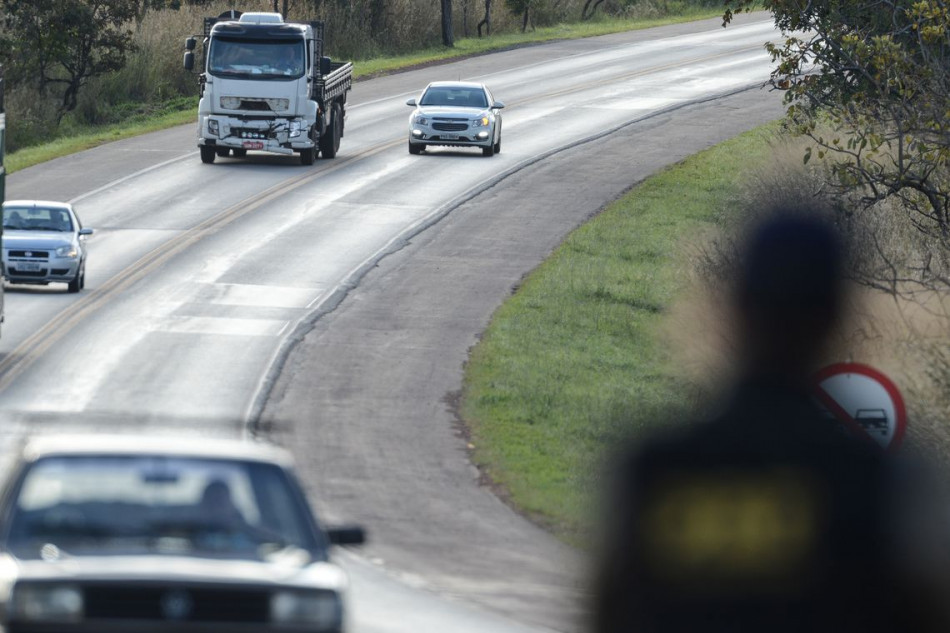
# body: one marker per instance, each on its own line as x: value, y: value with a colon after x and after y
x: 332, y: 307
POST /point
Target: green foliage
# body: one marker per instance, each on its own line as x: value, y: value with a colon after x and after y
x: 65, y: 43
x: 869, y: 82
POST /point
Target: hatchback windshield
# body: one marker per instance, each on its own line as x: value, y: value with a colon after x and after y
x: 256, y: 59
x: 36, y: 219
x: 136, y: 504
x: 459, y: 97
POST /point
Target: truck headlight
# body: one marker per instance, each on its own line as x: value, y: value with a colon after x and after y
x: 421, y: 120
x: 321, y: 609
x: 69, y: 252
x: 294, y: 129
x: 55, y: 603
x: 213, y: 127
x: 230, y: 103
x: 482, y: 121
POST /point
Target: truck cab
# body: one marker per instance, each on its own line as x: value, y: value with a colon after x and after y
x: 266, y: 86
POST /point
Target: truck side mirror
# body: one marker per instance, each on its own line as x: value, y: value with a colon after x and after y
x: 324, y: 65
x: 189, y: 61
x: 190, y: 44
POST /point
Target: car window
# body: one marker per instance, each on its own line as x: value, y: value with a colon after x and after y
x: 37, y: 219
x: 460, y: 97
x: 157, y: 504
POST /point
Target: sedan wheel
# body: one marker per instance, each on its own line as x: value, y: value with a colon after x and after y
x: 416, y: 148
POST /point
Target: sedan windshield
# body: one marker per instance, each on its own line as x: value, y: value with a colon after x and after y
x: 36, y: 219
x: 458, y: 97
x: 256, y: 59
x: 163, y: 505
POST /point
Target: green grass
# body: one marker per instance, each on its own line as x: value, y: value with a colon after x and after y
x: 575, y: 361
x: 77, y: 140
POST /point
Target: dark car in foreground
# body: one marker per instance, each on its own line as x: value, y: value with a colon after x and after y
x: 42, y: 242
x: 142, y: 534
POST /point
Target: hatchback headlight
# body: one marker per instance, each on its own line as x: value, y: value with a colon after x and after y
x: 322, y: 610
x: 230, y: 103
x: 482, y: 121
x: 420, y: 120
x: 53, y: 603
x: 69, y: 252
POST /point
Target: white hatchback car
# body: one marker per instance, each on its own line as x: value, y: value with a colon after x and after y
x: 43, y: 242
x: 456, y: 113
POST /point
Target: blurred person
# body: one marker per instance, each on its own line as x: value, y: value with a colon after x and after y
x: 768, y: 517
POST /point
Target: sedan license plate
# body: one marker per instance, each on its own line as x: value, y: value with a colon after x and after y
x: 27, y: 266
x: 253, y: 145
x: 449, y: 137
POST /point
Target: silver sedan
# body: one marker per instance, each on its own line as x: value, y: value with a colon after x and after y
x: 458, y: 114
x: 43, y: 242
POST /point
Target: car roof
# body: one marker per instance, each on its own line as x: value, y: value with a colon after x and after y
x: 37, y: 203
x: 455, y: 84
x: 191, y: 446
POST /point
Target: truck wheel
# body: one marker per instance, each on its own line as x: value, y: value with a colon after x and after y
x: 307, y: 156
x: 330, y: 143
x: 207, y: 154
x: 222, y: 151
x: 239, y: 153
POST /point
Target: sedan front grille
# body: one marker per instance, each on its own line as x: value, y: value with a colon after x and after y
x: 30, y: 254
x: 28, y: 273
x: 112, y: 602
x: 449, y: 127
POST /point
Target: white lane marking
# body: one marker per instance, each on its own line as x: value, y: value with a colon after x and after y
x: 140, y: 172
x: 224, y: 326
x: 260, y: 296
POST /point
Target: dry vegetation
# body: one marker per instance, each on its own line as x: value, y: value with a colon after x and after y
x: 901, y: 328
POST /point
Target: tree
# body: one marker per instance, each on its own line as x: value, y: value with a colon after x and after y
x: 67, y: 42
x: 448, y: 38
x: 522, y: 7
x: 486, y: 21
x: 868, y: 82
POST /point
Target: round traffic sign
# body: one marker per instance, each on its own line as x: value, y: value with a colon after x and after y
x: 865, y: 401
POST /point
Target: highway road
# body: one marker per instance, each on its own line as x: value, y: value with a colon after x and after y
x: 331, y: 307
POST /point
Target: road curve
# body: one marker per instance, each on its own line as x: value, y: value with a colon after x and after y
x: 333, y: 306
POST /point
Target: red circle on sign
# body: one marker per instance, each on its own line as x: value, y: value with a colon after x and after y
x: 900, y: 413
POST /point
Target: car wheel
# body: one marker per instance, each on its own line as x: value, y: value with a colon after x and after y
x: 498, y: 146
x: 207, y: 154
x: 239, y: 153
x: 330, y: 143
x: 416, y: 148
x: 76, y: 283
x: 488, y: 151
x: 222, y: 151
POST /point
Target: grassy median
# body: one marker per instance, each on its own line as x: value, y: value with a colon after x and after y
x: 577, y: 360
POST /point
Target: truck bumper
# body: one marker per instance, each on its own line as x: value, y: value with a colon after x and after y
x: 280, y: 136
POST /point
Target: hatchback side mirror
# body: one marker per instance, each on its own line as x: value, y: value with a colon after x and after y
x: 346, y: 535
x: 411, y: 102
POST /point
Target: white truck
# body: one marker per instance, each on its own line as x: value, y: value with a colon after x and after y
x: 267, y: 86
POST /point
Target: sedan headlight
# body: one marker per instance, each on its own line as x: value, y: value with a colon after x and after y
x: 69, y: 252
x: 230, y: 103
x: 481, y: 121
x: 420, y: 120
x: 55, y: 603
x: 319, y: 609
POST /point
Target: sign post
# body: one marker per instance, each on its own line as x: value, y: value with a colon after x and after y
x: 865, y: 401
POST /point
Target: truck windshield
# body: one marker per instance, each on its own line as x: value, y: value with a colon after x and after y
x: 256, y: 59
